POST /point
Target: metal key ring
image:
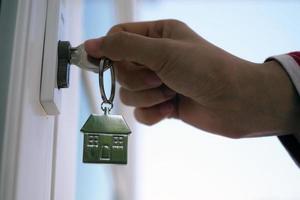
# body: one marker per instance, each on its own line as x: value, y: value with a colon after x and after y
x: 105, y: 64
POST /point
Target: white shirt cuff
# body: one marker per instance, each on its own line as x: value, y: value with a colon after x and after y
x: 293, y: 70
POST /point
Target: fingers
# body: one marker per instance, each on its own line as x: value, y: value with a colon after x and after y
x: 146, y: 43
x: 154, y: 114
x: 131, y: 47
x: 136, y: 78
x: 152, y: 105
x: 143, y: 89
x: 170, y: 28
x: 154, y: 29
x: 140, y: 28
x: 146, y: 98
x: 150, y: 28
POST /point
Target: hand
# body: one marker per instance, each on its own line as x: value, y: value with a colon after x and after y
x: 167, y: 70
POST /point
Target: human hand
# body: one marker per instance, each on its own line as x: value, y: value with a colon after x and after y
x: 167, y: 70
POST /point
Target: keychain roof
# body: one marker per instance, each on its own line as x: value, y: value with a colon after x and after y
x: 110, y: 124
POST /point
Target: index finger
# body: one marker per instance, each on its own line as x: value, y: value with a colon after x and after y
x: 130, y: 47
x: 150, y: 28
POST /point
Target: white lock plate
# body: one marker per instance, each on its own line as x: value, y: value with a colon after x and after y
x: 50, y: 95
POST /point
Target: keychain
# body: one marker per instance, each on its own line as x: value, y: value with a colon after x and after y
x: 106, y: 135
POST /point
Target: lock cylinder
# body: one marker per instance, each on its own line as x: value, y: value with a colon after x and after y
x: 68, y: 55
x: 63, y: 68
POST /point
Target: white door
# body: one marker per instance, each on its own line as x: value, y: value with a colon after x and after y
x: 39, y: 152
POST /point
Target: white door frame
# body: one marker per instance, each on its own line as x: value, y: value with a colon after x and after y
x: 13, y: 112
x: 31, y: 168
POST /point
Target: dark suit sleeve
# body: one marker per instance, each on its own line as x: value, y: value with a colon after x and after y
x: 292, y: 145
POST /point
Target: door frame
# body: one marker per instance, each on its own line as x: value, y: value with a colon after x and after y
x: 15, y: 16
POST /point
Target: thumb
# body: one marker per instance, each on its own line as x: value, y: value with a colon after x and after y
x: 150, y: 52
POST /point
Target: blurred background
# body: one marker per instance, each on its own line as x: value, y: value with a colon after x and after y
x: 172, y: 160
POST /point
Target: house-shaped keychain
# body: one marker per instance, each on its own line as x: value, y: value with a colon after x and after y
x: 105, y: 139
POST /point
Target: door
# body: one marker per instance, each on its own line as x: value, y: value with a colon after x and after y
x: 40, y: 152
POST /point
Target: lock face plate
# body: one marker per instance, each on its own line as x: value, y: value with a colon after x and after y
x: 50, y: 95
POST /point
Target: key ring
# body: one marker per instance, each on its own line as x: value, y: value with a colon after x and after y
x: 107, y: 103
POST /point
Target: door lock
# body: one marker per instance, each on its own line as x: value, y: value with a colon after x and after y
x: 63, y: 68
x: 73, y: 55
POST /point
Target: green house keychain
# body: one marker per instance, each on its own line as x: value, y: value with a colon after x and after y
x: 105, y: 136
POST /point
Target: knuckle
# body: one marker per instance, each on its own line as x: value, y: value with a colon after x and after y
x: 141, y: 117
x: 157, y: 96
x: 163, y: 57
x: 114, y: 29
x: 129, y: 80
x: 144, y: 121
x: 125, y: 82
x: 121, y: 37
x: 174, y: 23
x: 104, y: 44
x: 116, y: 39
x: 168, y: 59
x: 121, y: 75
x: 117, y: 43
x: 124, y: 96
x: 148, y: 123
x: 173, y: 28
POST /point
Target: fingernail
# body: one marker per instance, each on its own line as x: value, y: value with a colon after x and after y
x: 153, y: 80
x: 166, y: 109
x: 168, y: 92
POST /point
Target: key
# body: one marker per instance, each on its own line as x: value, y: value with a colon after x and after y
x: 80, y: 58
x: 77, y: 56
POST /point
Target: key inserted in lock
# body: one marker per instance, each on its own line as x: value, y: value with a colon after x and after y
x: 73, y: 55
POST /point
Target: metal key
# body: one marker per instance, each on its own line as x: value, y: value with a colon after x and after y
x: 78, y: 56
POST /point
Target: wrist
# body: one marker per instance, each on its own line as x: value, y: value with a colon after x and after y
x: 280, y: 97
